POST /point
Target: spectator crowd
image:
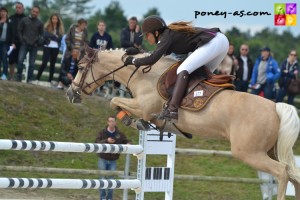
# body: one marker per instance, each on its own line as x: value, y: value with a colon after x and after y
x: 265, y: 76
x: 21, y: 35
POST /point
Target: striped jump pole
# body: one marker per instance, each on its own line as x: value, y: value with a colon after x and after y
x: 68, y: 183
x: 31, y: 145
x: 149, y: 179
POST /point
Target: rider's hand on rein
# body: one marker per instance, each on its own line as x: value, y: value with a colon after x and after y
x: 129, y: 61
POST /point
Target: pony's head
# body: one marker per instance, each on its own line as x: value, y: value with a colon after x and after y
x: 85, y: 80
x: 93, y: 72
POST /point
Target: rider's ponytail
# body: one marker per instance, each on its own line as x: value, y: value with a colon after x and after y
x: 186, y: 27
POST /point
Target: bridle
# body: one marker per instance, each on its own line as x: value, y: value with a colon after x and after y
x: 90, y: 60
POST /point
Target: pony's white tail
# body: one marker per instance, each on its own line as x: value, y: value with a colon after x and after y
x: 288, y: 134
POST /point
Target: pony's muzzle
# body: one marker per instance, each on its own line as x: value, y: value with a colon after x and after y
x: 73, y: 96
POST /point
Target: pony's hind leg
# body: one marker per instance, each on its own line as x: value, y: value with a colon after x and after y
x: 261, y: 161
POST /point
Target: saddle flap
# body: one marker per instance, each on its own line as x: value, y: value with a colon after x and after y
x: 171, y: 75
x: 202, y: 86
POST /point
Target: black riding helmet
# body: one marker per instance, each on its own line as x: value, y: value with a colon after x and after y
x: 153, y: 23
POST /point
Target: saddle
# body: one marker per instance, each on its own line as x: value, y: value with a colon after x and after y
x: 202, y: 86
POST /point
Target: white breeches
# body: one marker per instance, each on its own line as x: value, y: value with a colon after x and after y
x: 210, y: 55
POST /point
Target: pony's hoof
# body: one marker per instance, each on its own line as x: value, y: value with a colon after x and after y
x: 142, y: 125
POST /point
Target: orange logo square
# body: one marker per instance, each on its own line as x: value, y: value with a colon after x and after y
x: 290, y: 20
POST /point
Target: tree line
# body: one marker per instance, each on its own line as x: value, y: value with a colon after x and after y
x: 113, y: 15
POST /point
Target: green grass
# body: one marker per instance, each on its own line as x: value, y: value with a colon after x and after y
x: 36, y: 113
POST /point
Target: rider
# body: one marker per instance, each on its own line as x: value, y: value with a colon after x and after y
x: 208, y: 47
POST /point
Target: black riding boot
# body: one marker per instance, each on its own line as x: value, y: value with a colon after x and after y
x: 171, y: 111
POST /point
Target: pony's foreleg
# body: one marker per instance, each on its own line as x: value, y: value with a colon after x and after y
x: 129, y: 105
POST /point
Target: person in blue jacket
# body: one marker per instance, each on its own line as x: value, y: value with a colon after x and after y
x: 101, y: 39
x: 265, y: 73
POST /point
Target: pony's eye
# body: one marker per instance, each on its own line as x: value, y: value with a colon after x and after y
x: 83, y: 61
x: 80, y: 63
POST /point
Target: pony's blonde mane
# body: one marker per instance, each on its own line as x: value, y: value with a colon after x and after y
x: 140, y: 55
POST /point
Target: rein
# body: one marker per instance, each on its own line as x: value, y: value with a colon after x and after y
x: 89, y: 65
x: 95, y: 80
x: 112, y: 72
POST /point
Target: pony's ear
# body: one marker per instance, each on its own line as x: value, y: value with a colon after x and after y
x: 90, y: 53
x: 88, y: 50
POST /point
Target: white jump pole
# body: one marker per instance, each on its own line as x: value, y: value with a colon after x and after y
x: 149, y: 179
x: 30, y: 145
x: 68, y: 183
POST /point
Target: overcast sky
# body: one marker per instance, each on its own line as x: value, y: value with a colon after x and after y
x: 185, y: 10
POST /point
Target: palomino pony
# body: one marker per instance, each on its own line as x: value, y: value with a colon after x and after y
x: 261, y: 132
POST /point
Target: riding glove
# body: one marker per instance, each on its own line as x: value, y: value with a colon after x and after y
x: 129, y: 61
